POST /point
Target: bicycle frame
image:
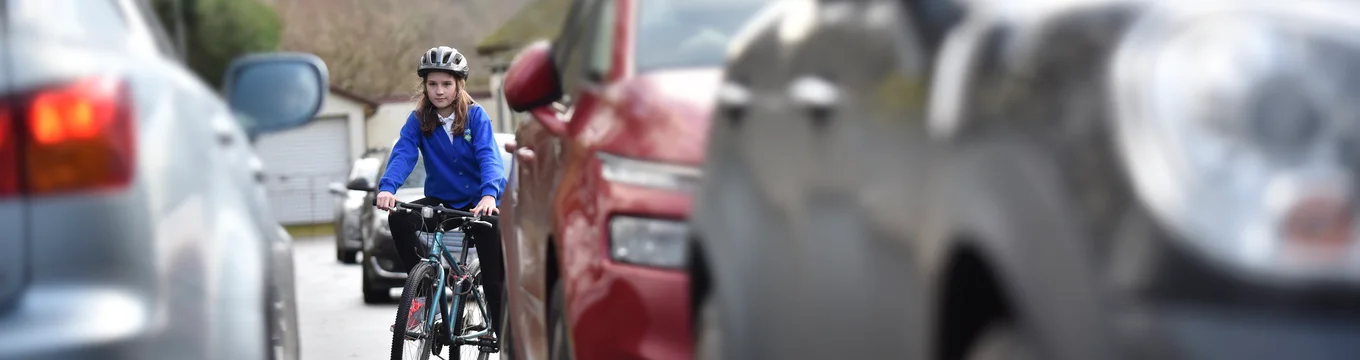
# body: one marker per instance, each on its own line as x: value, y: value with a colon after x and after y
x: 437, y: 252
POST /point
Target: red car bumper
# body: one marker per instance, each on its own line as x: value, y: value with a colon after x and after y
x: 621, y: 310
x: 634, y: 313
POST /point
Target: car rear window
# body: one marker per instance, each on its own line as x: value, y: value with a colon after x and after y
x: 417, y: 177
x: 366, y: 168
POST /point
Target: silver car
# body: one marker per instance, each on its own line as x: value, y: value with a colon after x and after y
x: 349, y: 209
x: 132, y: 222
x: 1034, y: 180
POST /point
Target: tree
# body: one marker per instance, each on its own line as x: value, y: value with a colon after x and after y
x: 364, y: 42
x: 213, y: 32
x: 372, y: 46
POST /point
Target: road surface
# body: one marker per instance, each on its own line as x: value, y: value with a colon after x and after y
x: 335, y: 322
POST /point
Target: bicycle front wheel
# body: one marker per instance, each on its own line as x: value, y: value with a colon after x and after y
x: 412, y: 332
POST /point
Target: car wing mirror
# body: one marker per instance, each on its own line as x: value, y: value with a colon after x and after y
x: 273, y: 92
x: 360, y: 184
x: 532, y: 83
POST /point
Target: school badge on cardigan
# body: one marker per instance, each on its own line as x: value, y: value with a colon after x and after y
x: 467, y: 135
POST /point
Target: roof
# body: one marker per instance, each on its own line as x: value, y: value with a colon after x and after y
x: 353, y: 96
x: 540, y: 19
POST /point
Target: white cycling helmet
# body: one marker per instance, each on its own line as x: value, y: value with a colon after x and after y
x: 443, y: 58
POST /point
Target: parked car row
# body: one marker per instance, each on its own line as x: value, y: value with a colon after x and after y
x: 935, y: 179
x: 593, y: 219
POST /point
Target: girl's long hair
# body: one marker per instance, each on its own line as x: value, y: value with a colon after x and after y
x: 427, y: 113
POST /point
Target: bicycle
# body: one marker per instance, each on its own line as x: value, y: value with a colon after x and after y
x: 426, y: 285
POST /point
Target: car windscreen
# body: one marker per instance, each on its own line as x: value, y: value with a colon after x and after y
x: 366, y: 168
x: 417, y: 177
x: 688, y: 33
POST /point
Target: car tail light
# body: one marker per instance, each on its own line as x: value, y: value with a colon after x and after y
x: 9, y: 154
x: 74, y: 137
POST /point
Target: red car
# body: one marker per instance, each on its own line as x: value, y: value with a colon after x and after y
x: 592, y: 221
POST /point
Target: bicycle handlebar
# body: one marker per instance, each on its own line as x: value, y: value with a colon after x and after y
x: 441, y: 209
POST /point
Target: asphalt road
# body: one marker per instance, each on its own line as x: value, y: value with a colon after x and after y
x: 335, y: 322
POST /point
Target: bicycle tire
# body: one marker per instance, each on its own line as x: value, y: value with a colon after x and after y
x: 420, y: 277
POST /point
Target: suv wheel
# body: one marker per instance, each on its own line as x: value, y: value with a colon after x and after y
x: 373, y: 295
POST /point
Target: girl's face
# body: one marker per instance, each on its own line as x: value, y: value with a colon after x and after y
x: 441, y: 88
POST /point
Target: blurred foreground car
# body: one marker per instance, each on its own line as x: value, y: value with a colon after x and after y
x: 593, y: 219
x: 1035, y: 179
x: 132, y: 222
x: 350, y: 206
x: 381, y: 264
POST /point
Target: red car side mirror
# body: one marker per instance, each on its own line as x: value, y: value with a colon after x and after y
x: 532, y: 83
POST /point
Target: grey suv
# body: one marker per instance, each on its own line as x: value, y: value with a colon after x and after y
x: 1003, y: 179
x: 132, y: 222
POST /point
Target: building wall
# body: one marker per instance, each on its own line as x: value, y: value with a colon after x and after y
x: 386, y: 122
x: 500, y: 111
x: 300, y: 163
x: 353, y: 112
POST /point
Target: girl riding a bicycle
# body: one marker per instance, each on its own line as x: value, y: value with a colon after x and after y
x: 454, y: 137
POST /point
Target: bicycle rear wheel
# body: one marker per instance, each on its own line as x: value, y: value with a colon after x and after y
x: 411, y: 332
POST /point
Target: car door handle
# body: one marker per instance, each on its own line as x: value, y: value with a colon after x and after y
x: 256, y: 169
x: 525, y: 154
x: 226, y: 138
x: 733, y: 99
x: 814, y: 94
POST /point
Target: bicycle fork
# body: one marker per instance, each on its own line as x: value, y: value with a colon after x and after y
x: 486, y: 345
x: 448, y: 337
x: 438, y: 306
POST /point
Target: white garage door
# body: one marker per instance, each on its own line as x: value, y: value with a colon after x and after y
x: 300, y: 164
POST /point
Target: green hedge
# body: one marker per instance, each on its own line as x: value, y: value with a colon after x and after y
x: 217, y: 31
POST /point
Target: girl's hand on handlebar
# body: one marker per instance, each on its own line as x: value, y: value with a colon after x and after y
x: 486, y: 206
x: 386, y: 200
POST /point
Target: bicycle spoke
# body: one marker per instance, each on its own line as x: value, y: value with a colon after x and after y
x: 419, y: 313
x: 418, y: 339
x: 475, y: 321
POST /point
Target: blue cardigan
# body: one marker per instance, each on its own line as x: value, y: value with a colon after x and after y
x: 459, y: 171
